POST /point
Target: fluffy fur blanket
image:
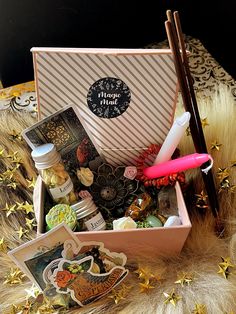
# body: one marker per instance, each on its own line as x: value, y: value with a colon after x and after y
x: 200, y: 280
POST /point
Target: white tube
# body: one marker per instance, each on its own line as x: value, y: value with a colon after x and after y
x: 173, y: 138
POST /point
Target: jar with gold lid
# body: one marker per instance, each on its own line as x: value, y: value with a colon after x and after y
x: 54, y: 175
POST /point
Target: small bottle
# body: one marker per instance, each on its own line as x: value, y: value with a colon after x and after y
x: 52, y: 170
x: 88, y: 215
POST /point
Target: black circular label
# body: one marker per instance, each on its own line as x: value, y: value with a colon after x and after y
x: 108, y: 97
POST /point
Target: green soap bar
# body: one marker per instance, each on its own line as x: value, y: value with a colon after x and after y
x: 61, y: 213
x: 153, y: 221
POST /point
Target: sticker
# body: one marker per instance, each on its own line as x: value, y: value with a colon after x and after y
x: 86, y: 273
x: 84, y: 286
x: 108, y: 97
x: 62, y: 190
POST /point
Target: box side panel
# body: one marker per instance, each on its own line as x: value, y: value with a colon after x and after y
x: 163, y: 241
x: 157, y: 241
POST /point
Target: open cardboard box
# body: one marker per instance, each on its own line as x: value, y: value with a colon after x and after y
x: 71, y: 75
x: 133, y: 242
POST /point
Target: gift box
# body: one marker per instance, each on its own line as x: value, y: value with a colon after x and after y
x: 121, y: 124
x: 159, y: 240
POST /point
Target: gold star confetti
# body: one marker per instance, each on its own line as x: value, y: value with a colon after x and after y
x: 201, y: 200
x: 1, y: 152
x: 119, y: 294
x: 27, y: 307
x: 222, y: 174
x: 12, y: 185
x: 10, y: 209
x: 15, y: 158
x: 15, y: 136
x: 188, y: 132
x: 22, y: 232
x: 46, y: 308
x: 184, y: 279
x: 204, y: 122
x: 224, y: 267
x: 144, y: 273
x: 8, y: 174
x: 22, y: 309
x: 233, y: 163
x: 7, y: 178
x: 16, y: 309
x: 14, y: 277
x: 224, y: 186
x: 57, y: 300
x: 116, y: 296
x: 171, y: 298
x: 145, y: 287
x: 215, y: 146
x: 202, y: 206
x: 199, y: 309
x: 223, y: 272
x: 202, y: 196
x: 226, y: 262
x: 3, y: 245
x: 26, y: 206
x: 232, y: 188
x: 30, y: 223
x: 31, y: 183
x: 32, y: 292
x: 19, y: 205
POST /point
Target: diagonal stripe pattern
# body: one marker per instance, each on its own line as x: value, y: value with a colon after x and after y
x: 65, y: 76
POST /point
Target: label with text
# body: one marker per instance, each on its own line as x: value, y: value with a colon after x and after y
x: 108, y: 97
x: 62, y: 190
x: 95, y: 223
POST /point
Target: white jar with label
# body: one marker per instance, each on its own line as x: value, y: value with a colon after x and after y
x: 52, y: 170
x: 88, y: 215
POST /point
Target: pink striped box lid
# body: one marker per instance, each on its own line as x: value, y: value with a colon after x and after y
x: 125, y: 98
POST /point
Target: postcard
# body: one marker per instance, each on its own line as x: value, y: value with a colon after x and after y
x: 32, y: 257
x: 65, y: 130
x: 40, y: 258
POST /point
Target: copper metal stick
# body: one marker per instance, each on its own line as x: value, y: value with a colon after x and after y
x: 175, y: 38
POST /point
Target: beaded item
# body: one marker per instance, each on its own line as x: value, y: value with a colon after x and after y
x: 153, y: 149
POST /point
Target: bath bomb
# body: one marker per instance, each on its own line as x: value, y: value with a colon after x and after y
x: 61, y: 213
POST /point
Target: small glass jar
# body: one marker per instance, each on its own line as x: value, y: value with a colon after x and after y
x: 88, y: 215
x: 52, y: 171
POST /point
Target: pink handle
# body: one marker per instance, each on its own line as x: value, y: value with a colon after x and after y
x: 176, y: 165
